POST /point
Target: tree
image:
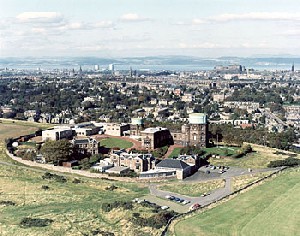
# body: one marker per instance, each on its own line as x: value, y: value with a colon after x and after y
x: 60, y: 150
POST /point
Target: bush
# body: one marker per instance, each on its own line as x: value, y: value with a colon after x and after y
x: 45, y: 187
x: 111, y: 187
x: 7, y: 203
x: 76, y: 181
x: 31, y: 222
x: 156, y: 221
x: 57, y: 178
x: 102, y: 233
x: 290, y: 161
x: 107, y: 207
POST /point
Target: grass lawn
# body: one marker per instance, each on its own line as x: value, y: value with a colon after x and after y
x: 260, y: 158
x: 239, y: 182
x: 269, y: 209
x: 116, y: 142
x: 221, y: 150
x: 175, y: 152
x: 193, y: 189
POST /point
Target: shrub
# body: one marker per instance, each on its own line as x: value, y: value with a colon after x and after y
x: 111, y: 187
x: 103, y: 233
x: 31, y: 222
x: 156, y: 221
x: 57, y: 178
x: 107, y: 207
x: 45, y: 187
x: 290, y: 161
x: 7, y: 203
x: 76, y: 181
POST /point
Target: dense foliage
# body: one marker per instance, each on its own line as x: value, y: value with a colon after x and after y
x: 290, y: 161
x: 54, y: 151
x: 35, y: 222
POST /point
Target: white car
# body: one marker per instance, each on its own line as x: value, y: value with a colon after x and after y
x: 164, y: 207
x: 185, y: 202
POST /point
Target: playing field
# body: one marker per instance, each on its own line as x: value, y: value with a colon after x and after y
x: 269, y: 209
x: 115, y: 142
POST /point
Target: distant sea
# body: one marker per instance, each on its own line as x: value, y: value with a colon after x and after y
x: 170, y: 63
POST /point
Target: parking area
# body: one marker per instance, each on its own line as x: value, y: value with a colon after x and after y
x: 216, y: 172
x: 165, y: 202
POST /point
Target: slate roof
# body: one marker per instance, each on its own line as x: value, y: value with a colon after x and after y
x: 171, y: 163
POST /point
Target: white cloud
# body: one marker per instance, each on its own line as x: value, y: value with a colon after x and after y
x: 256, y: 16
x: 103, y: 24
x: 274, y: 16
x: 205, y: 45
x: 197, y: 21
x: 40, y: 17
x: 133, y: 17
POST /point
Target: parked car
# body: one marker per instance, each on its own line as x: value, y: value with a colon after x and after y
x: 195, y: 206
x: 185, y: 202
x: 164, y: 207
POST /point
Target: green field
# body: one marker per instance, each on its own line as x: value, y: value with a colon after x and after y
x: 74, y: 208
x: 260, y: 158
x: 193, y: 189
x: 222, y: 150
x: 116, y: 142
x: 269, y: 209
x: 175, y: 152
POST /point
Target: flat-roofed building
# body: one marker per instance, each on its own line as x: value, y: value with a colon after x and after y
x: 115, y: 129
x: 57, y: 134
x: 156, y: 137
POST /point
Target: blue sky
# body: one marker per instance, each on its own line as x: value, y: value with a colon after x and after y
x: 119, y: 28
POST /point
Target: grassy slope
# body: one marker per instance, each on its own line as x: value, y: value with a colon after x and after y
x: 193, y: 189
x: 75, y: 208
x: 115, y: 142
x: 269, y: 209
x: 258, y: 159
x: 72, y: 206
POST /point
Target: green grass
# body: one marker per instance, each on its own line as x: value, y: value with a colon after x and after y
x: 260, y: 158
x: 239, y: 182
x: 116, y: 142
x: 175, y: 152
x: 193, y: 189
x: 269, y: 209
x: 222, y: 150
x: 75, y: 208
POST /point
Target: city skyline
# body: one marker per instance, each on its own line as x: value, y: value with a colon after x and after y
x: 145, y: 28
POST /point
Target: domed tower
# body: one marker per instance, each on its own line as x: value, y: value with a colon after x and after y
x: 136, y: 126
x: 198, y: 129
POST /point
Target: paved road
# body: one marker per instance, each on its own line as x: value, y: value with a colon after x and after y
x: 214, y: 195
x: 201, y: 176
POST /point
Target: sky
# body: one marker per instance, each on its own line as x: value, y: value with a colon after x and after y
x: 137, y: 28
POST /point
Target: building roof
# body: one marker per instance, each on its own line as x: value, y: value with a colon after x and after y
x: 84, y: 141
x: 116, y: 169
x: 153, y: 130
x: 172, y: 163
